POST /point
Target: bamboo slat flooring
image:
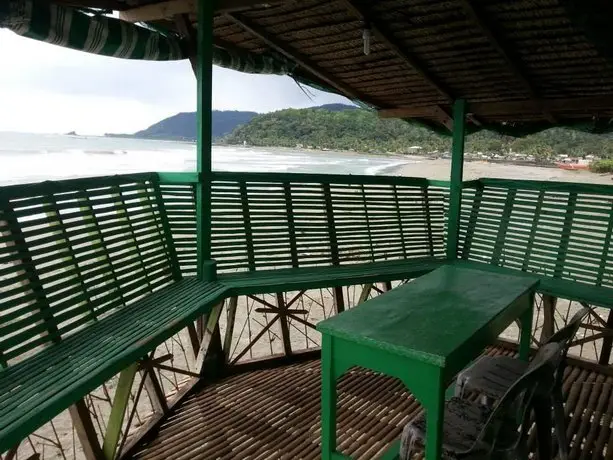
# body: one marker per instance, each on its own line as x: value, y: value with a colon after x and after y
x: 274, y: 414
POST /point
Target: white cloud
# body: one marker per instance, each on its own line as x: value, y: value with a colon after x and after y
x: 45, y: 88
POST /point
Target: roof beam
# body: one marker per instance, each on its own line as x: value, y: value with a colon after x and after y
x: 502, y: 48
x: 408, y: 112
x: 387, y: 37
x: 590, y: 106
x: 186, y: 29
x: 170, y: 8
x: 97, y: 4
x: 292, y: 54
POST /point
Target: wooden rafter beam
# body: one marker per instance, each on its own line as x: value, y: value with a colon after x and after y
x: 98, y: 4
x: 185, y: 28
x: 296, y: 57
x: 410, y: 60
x: 593, y: 105
x: 387, y: 37
x: 170, y: 8
x: 409, y: 112
x: 502, y: 49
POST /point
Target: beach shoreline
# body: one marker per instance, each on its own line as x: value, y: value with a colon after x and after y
x: 440, y: 169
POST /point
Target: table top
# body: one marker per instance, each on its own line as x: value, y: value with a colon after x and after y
x: 433, y: 316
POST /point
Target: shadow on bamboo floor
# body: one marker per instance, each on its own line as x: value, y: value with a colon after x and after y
x: 274, y: 414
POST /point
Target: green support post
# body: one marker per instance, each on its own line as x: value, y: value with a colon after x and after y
x: 118, y: 411
x: 206, y: 8
x: 455, y: 187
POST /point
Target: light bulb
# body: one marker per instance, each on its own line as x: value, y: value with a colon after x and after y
x: 366, y: 35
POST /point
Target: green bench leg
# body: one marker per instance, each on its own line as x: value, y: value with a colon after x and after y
x: 118, y: 411
x: 365, y: 293
x: 227, y: 342
x: 211, y: 323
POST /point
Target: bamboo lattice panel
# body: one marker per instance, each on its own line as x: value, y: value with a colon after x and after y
x: 72, y: 252
x: 553, y: 229
x: 270, y: 221
x: 180, y: 203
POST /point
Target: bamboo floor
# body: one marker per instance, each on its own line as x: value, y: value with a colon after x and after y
x: 274, y: 414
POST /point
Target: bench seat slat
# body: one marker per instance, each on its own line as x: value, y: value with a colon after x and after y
x: 283, y: 280
x: 33, y: 391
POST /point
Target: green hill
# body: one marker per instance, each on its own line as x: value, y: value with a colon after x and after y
x: 364, y: 131
x: 183, y: 125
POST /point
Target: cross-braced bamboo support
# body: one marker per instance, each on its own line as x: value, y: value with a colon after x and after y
x: 86, y: 432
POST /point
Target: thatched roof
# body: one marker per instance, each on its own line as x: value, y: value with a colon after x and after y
x: 522, y: 65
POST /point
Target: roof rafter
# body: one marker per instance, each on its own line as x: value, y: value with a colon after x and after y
x: 98, y: 4
x: 170, y: 8
x: 410, y: 60
x: 593, y: 105
x: 499, y: 44
x: 296, y: 57
x: 186, y: 29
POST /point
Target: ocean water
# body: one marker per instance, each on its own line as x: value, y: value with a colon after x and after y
x: 35, y: 157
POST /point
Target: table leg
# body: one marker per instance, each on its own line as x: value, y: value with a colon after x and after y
x: 328, y: 400
x: 434, y: 424
x: 526, y: 330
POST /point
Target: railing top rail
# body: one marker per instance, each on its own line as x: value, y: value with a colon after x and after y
x: 41, y: 188
x: 178, y: 177
x: 320, y: 178
x: 192, y: 177
x: 553, y: 186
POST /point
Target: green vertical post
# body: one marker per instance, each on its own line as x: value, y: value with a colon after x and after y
x: 457, y: 167
x: 204, y: 72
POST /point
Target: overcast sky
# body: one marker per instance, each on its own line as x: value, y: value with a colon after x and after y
x: 46, y: 88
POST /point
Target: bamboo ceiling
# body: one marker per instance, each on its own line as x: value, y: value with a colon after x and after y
x: 524, y: 64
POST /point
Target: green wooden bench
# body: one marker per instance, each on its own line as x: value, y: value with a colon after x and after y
x: 560, y: 231
x: 277, y: 232
x: 89, y: 284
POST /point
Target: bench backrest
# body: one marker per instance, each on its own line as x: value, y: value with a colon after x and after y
x: 556, y: 229
x: 270, y: 220
x: 74, y: 251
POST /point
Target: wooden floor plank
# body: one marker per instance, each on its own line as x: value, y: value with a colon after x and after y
x: 274, y: 414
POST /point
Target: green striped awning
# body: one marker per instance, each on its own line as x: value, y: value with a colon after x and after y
x: 100, y: 34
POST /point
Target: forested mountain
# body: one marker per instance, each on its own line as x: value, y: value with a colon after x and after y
x: 364, y: 131
x: 182, y: 126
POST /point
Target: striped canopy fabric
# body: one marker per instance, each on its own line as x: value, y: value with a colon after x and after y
x: 78, y: 30
x: 107, y: 36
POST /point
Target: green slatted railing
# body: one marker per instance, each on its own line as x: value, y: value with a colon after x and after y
x: 269, y: 220
x: 72, y: 252
x: 558, y: 230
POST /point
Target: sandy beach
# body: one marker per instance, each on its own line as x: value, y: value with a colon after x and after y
x: 440, y: 170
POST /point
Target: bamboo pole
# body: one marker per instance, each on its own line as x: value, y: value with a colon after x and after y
x: 204, y: 68
x: 455, y: 188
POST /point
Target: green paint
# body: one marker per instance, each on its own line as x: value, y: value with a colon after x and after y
x: 290, y: 279
x: 457, y: 167
x: 204, y: 168
x: 305, y: 178
x: 408, y: 342
x: 565, y: 236
x: 118, y: 411
x: 166, y: 231
x: 177, y: 177
x: 503, y: 226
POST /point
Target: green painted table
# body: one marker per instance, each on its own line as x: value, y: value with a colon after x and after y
x: 423, y: 333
